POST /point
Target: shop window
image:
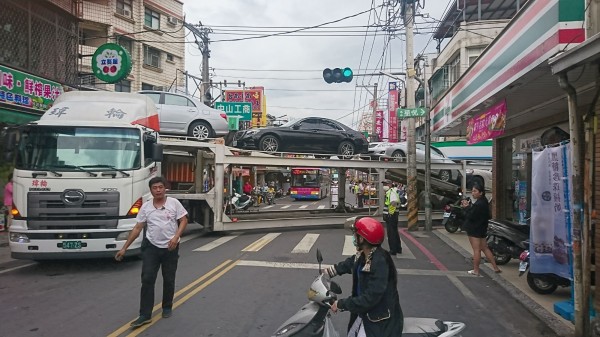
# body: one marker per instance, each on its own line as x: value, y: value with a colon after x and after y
x: 146, y: 86
x: 151, y: 18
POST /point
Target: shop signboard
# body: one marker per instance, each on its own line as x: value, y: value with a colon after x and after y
x: 488, y: 125
x: 551, y: 212
x: 21, y: 89
x: 111, y: 63
x: 254, y: 96
x: 379, y: 124
x: 410, y: 113
x: 242, y: 109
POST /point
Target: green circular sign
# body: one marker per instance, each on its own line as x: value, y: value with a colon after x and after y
x: 111, y: 63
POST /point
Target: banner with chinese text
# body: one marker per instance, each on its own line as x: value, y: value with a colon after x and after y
x: 551, y: 212
x: 392, y: 115
x: 488, y: 125
x: 379, y: 125
x: 22, y: 89
x: 253, y: 96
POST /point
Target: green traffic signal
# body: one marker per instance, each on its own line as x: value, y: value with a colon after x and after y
x: 338, y: 75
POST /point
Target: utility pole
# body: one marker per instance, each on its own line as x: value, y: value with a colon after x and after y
x: 428, y: 224
x: 374, y: 104
x: 201, y: 33
x: 411, y: 172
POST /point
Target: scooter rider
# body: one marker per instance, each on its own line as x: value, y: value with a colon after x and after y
x: 374, y: 304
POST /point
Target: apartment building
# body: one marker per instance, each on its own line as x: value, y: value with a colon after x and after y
x: 150, y: 30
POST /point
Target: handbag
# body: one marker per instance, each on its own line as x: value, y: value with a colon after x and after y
x: 357, y: 329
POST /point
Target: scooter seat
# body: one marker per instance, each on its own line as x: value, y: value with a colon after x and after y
x: 521, y: 228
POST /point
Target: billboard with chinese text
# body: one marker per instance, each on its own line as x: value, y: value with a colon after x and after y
x: 24, y: 90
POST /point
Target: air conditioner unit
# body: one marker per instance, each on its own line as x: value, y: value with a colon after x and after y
x: 172, y: 20
x: 127, y: 13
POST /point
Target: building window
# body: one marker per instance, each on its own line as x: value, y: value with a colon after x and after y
x: 454, y: 70
x: 126, y: 43
x: 124, y: 7
x: 170, y: 57
x: 151, y: 56
x: 473, y: 53
x: 151, y: 18
x: 146, y: 86
x: 123, y: 86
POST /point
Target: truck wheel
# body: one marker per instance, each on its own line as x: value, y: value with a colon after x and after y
x: 540, y: 284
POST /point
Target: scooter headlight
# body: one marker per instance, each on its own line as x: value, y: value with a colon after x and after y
x: 286, y: 329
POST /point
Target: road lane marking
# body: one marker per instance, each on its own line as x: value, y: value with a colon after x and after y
x: 267, y: 207
x: 286, y: 206
x: 303, y: 206
x: 126, y: 327
x: 189, y: 237
x: 439, y: 265
x: 305, y: 244
x: 349, y: 248
x: 216, y: 243
x: 18, y: 267
x: 260, y: 243
x: 321, y: 207
x: 464, y: 290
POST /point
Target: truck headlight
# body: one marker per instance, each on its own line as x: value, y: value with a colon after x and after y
x: 123, y: 236
x: 19, y: 237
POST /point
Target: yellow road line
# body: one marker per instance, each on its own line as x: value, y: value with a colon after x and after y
x: 260, y: 243
x: 126, y: 327
x: 183, y: 299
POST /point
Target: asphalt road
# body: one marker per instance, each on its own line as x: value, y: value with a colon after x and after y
x: 246, y: 285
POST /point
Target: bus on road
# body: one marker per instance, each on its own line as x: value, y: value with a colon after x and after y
x: 309, y: 183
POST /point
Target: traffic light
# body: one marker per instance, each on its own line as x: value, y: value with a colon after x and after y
x: 337, y: 75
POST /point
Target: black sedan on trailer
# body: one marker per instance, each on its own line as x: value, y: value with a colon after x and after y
x: 308, y: 135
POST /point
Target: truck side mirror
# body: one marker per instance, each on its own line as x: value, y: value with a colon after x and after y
x: 10, y: 143
x: 157, y: 152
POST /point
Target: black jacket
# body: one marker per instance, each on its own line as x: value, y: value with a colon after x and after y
x: 378, y: 303
x: 477, y: 216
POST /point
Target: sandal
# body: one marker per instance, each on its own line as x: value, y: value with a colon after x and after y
x: 498, y: 271
x: 472, y: 272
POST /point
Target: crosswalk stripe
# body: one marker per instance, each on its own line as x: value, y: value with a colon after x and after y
x: 260, y: 243
x: 267, y: 207
x: 305, y: 244
x: 321, y: 207
x: 216, y: 243
x: 286, y: 206
x: 349, y: 248
x: 303, y: 206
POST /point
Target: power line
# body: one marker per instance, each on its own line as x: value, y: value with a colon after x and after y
x: 296, y: 30
x: 318, y: 109
x: 290, y: 70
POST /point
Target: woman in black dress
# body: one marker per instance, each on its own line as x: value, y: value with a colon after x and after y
x: 476, y: 225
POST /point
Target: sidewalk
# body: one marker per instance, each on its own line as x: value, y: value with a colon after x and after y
x: 540, y: 305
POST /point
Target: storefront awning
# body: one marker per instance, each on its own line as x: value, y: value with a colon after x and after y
x: 586, y: 52
x: 13, y: 117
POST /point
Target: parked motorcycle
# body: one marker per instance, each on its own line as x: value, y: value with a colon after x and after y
x: 239, y: 203
x: 541, y: 283
x: 454, y: 216
x: 311, y: 319
x: 507, y: 240
x: 269, y: 198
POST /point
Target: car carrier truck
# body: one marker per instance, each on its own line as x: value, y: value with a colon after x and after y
x: 81, y: 174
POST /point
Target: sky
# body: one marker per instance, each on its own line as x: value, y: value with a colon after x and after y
x: 290, y: 66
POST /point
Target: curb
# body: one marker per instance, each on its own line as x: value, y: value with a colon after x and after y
x: 560, y: 328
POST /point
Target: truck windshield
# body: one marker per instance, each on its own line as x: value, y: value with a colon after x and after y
x: 70, y: 148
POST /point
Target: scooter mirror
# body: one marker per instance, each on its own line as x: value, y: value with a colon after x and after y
x: 319, y: 256
x: 335, y: 288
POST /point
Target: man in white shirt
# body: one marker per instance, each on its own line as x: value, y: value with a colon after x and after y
x: 164, y: 220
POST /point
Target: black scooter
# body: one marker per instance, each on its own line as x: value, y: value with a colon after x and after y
x: 454, y: 216
x: 541, y: 283
x: 507, y: 240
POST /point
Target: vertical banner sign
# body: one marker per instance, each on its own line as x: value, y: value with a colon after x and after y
x: 550, y: 211
x: 489, y: 124
x: 392, y: 115
x: 379, y: 124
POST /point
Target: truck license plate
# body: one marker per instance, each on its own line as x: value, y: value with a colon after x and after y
x: 522, y: 266
x: 71, y: 244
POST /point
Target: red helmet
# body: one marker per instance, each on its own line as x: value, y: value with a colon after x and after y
x: 370, y: 229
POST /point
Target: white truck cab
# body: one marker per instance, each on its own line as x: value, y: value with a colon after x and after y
x: 81, y: 175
